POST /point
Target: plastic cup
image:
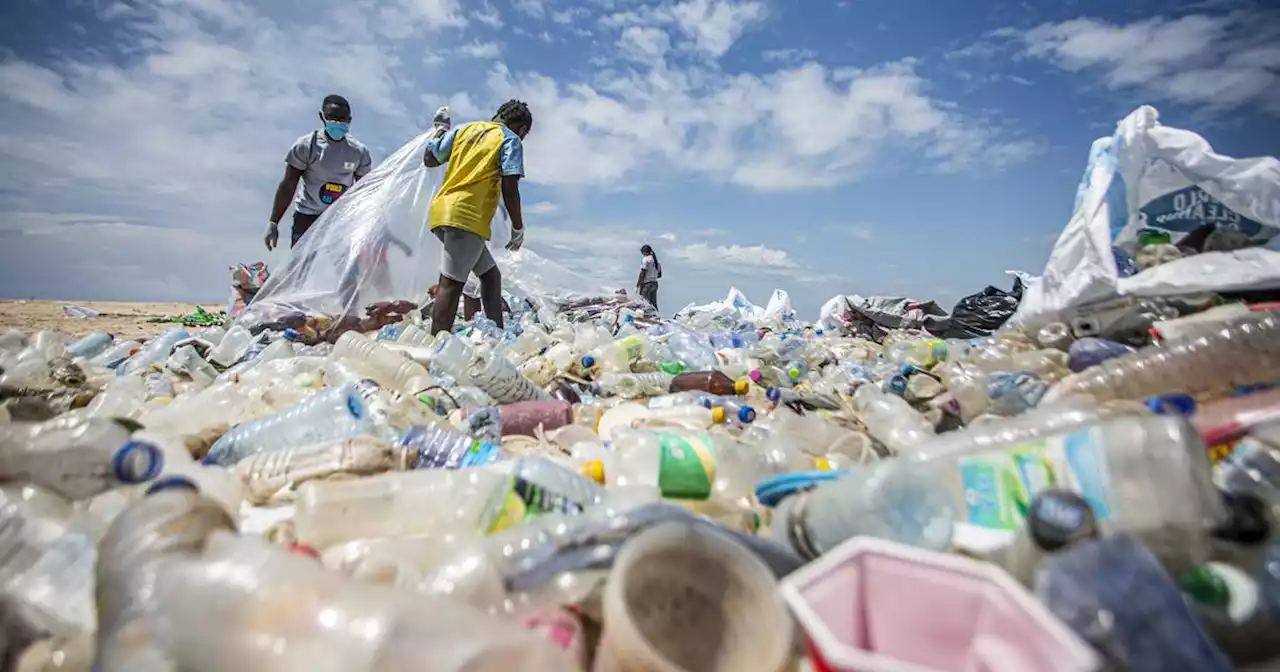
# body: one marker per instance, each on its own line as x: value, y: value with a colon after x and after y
x: 682, y: 597
x: 872, y: 605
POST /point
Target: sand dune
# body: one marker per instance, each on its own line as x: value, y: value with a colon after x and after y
x: 124, y: 318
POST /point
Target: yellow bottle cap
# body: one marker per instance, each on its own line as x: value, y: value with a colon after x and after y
x: 740, y: 387
x: 822, y: 464
x: 594, y: 470
x: 717, y: 415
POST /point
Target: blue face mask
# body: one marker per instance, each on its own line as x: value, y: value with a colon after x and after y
x: 336, y: 129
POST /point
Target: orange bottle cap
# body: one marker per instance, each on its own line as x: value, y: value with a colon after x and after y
x: 594, y: 470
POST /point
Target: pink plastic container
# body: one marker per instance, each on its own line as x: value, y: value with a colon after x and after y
x: 524, y: 417
x: 876, y: 606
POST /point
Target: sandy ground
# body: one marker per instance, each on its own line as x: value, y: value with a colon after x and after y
x: 128, y: 319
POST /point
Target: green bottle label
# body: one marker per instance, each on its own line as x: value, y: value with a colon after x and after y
x: 687, y: 468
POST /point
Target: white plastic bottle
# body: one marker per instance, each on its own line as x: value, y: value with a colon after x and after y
x: 155, y: 351
x: 633, y: 385
x: 76, y: 457
x: 389, y: 368
x: 232, y: 347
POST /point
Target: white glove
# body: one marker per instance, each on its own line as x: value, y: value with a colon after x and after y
x: 517, y: 239
x: 272, y: 237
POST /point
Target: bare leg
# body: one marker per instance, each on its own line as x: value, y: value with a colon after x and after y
x: 491, y: 295
x: 470, y: 307
x: 446, y: 306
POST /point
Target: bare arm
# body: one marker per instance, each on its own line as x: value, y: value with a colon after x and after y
x: 640, y: 278
x: 284, y: 192
x: 511, y: 196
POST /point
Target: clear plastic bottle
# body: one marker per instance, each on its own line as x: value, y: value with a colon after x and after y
x: 1238, y: 352
x: 692, y: 416
x: 250, y: 606
x: 438, y: 447
x: 155, y: 351
x: 382, y: 364
x: 158, y: 384
x: 88, y: 346
x: 232, y: 347
x: 187, y: 362
x: 122, y: 397
x: 682, y: 464
x: 633, y: 385
x: 445, y: 504
x: 537, y: 487
x: 116, y: 354
x: 76, y: 457
x: 451, y: 356
x: 693, y: 351
x: 46, y: 561
x: 890, y: 419
x: 262, y: 475
x: 796, y: 370
x: 677, y: 399
x: 500, y: 379
x: 173, y: 520
x: 333, y: 413
x: 892, y: 500
x: 922, y: 352
x: 615, y: 356
x: 1148, y: 476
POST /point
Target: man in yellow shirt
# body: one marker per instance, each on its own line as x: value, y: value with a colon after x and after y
x: 485, y: 161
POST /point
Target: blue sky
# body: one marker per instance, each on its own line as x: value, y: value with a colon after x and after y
x: 869, y: 146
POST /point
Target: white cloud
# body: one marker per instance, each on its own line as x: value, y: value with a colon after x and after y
x: 711, y: 26
x: 668, y: 236
x: 533, y: 8
x: 488, y: 15
x: 644, y: 44
x: 541, y: 208
x: 479, y: 50
x: 569, y: 15
x: 751, y: 256
x: 787, y: 55
x: 1221, y: 61
x: 863, y: 232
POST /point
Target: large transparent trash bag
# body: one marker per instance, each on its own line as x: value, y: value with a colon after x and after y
x: 372, y: 245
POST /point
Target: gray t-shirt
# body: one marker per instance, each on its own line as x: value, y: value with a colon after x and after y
x: 648, y: 269
x: 328, y: 169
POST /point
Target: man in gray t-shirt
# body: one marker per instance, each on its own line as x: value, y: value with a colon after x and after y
x: 327, y: 161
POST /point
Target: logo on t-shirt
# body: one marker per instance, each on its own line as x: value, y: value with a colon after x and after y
x: 331, y: 191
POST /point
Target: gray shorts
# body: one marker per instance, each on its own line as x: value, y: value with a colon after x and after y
x: 464, y: 253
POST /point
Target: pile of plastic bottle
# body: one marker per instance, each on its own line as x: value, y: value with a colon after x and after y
x: 593, y: 491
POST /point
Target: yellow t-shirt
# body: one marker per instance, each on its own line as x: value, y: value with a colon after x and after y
x: 476, y: 157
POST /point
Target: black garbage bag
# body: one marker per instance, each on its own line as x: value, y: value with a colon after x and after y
x: 978, y: 315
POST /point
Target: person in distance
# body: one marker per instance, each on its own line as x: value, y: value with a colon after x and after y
x: 650, y: 273
x: 484, y: 162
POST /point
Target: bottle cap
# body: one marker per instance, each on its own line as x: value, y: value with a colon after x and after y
x: 1206, y: 587
x: 707, y: 402
x: 1248, y: 522
x: 594, y: 470
x: 773, y: 394
x: 1058, y: 518
x: 717, y: 415
x: 171, y: 483
x: 588, y: 361
x: 292, y: 334
x: 793, y: 373
x: 304, y: 549
x: 137, y: 462
x: 747, y: 414
x: 898, y: 384
x: 741, y: 387
x: 1172, y: 404
x: 754, y: 375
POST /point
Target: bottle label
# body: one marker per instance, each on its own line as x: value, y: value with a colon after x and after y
x: 475, y: 454
x: 686, y: 467
x: 998, y: 486
x: 525, y: 500
x: 634, y: 346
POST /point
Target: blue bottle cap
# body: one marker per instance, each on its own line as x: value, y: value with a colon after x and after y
x: 706, y: 402
x: 747, y: 414
x: 292, y: 335
x: 171, y: 483
x: 1172, y: 404
x: 137, y: 462
x: 594, y: 388
x: 628, y: 318
x: 773, y: 490
x: 355, y: 404
x: 773, y: 394
x: 898, y: 384
x: 588, y: 361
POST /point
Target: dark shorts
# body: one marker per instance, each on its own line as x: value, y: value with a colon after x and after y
x: 301, y: 223
x: 649, y: 292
